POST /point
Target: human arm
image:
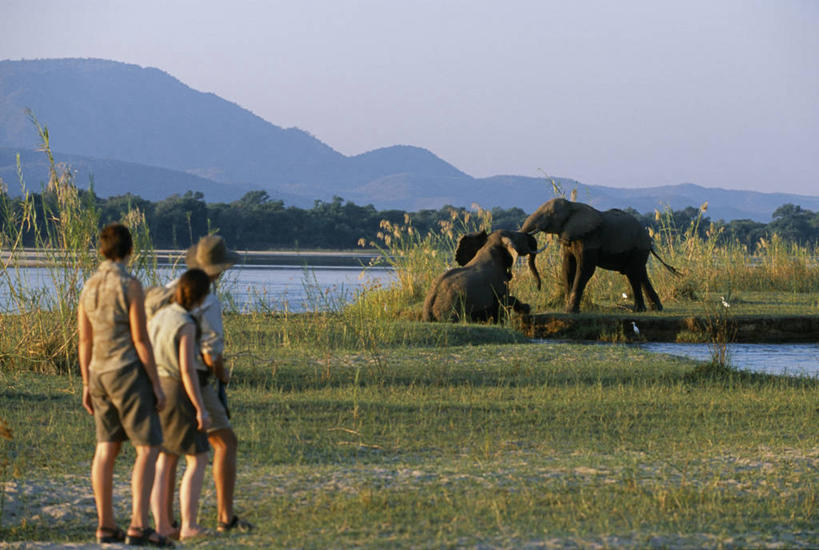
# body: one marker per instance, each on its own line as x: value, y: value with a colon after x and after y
x: 85, y: 345
x: 187, y: 371
x: 210, y: 322
x: 139, y: 335
x: 217, y: 364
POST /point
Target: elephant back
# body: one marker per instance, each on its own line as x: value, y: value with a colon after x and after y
x: 621, y: 232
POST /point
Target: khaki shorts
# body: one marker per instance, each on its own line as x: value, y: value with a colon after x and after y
x: 178, y: 418
x: 218, y: 415
x: 125, y: 406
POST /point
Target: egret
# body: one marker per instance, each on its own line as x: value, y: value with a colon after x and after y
x: 725, y: 304
x: 635, y: 329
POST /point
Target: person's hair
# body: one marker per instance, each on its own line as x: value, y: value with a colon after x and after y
x: 115, y: 241
x: 193, y: 285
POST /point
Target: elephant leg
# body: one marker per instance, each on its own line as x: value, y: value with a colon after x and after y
x: 569, y: 269
x: 635, y: 279
x: 582, y: 276
x: 651, y: 294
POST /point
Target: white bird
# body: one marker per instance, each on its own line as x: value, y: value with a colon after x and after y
x: 625, y: 296
x: 724, y: 303
x: 634, y: 327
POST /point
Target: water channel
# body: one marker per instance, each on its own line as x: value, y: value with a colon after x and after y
x: 788, y: 359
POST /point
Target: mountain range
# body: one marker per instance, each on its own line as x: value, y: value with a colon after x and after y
x: 140, y: 130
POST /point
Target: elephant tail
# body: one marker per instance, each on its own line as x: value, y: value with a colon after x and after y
x: 668, y: 267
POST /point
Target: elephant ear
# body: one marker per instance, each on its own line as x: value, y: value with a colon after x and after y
x: 583, y: 220
x: 468, y: 246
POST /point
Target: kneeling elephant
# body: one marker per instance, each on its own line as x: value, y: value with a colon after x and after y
x: 480, y: 288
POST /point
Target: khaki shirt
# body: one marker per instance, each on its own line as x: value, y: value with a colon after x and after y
x: 105, y: 300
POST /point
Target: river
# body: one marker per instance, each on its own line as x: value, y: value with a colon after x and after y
x: 248, y: 286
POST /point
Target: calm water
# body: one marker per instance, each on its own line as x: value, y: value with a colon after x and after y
x: 254, y: 286
x: 790, y: 359
x: 300, y: 288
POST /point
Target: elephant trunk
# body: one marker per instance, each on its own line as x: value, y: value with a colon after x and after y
x: 533, y: 268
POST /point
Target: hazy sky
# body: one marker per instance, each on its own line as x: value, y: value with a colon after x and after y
x: 721, y: 93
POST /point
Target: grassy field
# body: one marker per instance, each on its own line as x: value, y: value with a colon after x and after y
x: 456, y: 436
x: 361, y: 427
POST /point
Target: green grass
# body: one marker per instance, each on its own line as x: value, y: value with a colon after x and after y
x: 362, y: 428
x: 433, y: 441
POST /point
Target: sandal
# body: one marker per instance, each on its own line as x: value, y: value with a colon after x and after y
x: 110, y: 535
x: 239, y: 524
x: 144, y: 538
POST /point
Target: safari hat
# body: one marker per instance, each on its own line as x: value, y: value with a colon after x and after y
x: 211, y: 255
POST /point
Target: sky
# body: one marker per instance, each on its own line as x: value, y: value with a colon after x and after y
x: 627, y: 93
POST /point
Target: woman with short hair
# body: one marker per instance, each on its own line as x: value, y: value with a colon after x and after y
x: 121, y: 388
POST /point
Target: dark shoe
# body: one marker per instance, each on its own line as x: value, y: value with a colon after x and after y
x: 238, y: 524
x: 110, y: 535
x: 144, y: 538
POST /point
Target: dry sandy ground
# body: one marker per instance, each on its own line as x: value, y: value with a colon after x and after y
x: 68, y: 500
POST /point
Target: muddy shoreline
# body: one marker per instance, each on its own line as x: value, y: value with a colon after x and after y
x: 620, y: 328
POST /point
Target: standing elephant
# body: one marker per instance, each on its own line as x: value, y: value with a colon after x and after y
x: 612, y: 240
x: 479, y: 288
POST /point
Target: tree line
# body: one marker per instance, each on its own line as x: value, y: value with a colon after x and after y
x: 258, y: 222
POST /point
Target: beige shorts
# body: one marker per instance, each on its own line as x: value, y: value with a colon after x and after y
x: 218, y: 415
x: 125, y: 406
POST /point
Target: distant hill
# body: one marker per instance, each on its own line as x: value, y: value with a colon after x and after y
x: 140, y: 130
x: 112, y: 177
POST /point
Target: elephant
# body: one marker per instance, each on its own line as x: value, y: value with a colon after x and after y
x: 613, y: 240
x: 479, y: 288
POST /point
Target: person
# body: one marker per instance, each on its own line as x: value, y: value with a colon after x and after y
x: 173, y: 334
x: 212, y: 256
x: 121, y: 388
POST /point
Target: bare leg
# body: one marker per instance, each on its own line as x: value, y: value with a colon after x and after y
x: 189, y: 491
x: 102, y: 481
x: 142, y: 480
x: 224, y: 444
x: 162, y: 493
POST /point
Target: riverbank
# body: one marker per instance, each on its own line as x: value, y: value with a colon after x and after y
x: 30, y: 257
x: 673, y: 328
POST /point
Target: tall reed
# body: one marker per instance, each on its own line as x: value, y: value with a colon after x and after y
x: 40, y: 286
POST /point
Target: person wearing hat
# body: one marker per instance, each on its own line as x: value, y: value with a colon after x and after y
x: 212, y: 256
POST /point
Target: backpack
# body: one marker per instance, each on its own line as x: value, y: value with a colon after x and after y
x: 157, y: 297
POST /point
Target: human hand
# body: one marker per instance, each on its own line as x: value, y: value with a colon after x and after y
x: 160, y: 397
x: 86, y: 400
x: 224, y: 376
x: 202, y: 420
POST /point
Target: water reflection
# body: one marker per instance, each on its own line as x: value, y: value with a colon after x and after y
x: 787, y: 359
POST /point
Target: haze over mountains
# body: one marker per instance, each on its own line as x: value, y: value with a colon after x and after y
x: 142, y: 131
